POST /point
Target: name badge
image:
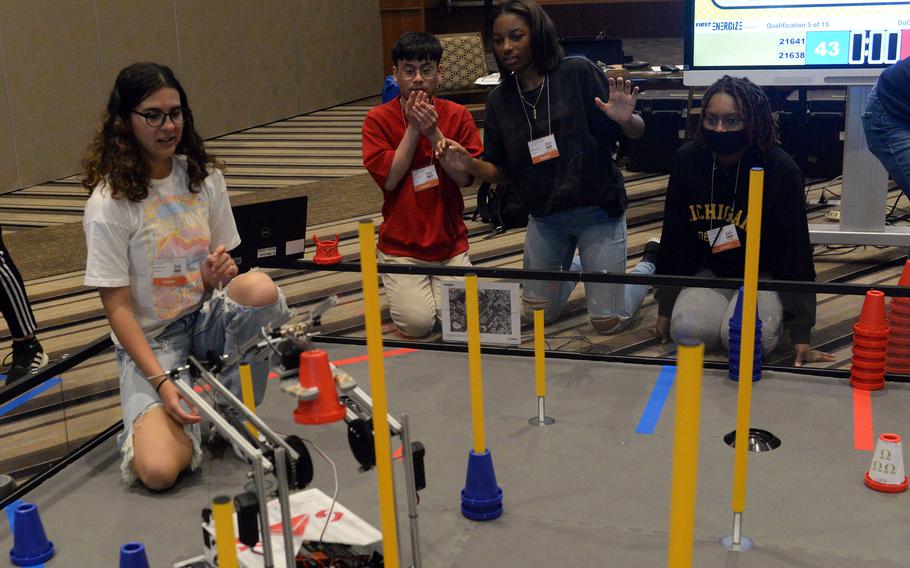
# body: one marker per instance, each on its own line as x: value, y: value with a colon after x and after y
x: 425, y: 178
x: 543, y: 149
x: 723, y: 238
x: 169, y: 272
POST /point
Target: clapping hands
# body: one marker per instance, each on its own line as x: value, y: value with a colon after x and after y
x: 420, y: 113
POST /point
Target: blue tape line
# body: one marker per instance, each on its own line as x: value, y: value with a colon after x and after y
x: 11, y: 515
x: 659, y: 396
x: 17, y: 402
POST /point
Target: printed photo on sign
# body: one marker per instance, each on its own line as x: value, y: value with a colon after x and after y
x: 499, y: 310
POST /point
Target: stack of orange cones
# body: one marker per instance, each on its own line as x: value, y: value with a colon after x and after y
x: 898, y: 356
x: 870, y: 342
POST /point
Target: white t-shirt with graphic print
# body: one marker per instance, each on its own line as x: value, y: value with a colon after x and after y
x: 157, y: 246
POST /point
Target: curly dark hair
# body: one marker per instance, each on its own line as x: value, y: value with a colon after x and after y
x: 752, y: 104
x: 545, y: 48
x: 114, y: 156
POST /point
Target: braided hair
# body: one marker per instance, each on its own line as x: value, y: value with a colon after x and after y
x: 752, y: 104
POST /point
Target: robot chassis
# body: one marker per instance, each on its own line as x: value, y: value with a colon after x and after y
x: 286, y: 457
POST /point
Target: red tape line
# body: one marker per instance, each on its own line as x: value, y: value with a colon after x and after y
x: 863, y: 434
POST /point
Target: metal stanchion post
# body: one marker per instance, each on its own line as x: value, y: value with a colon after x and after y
x: 540, y: 373
x: 281, y: 473
x: 408, y: 458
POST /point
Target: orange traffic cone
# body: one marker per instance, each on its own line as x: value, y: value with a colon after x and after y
x: 870, y: 341
x: 886, y: 472
x: 904, y: 281
x: 327, y: 251
x: 872, y: 316
x: 315, y: 372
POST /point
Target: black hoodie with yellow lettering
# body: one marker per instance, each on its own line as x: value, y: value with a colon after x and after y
x: 690, y: 212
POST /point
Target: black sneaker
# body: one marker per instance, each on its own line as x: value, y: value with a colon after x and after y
x: 28, y: 357
x: 651, y: 248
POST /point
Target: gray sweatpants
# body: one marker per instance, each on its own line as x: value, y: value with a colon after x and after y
x: 703, y: 314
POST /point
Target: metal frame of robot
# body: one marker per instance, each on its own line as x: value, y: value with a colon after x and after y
x: 358, y: 405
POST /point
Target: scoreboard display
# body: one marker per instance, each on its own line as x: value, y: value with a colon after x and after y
x: 808, y: 33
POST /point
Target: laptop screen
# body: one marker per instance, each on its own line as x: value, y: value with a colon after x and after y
x: 270, y: 232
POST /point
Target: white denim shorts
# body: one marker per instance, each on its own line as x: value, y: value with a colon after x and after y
x: 220, y: 325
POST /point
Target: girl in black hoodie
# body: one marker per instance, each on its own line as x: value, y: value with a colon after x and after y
x: 704, y: 231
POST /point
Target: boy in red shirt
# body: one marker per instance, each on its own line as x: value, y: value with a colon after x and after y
x: 422, y: 207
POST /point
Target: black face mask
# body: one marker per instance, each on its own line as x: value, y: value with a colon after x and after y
x: 727, y: 142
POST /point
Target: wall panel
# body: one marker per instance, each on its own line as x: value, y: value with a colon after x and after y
x: 243, y: 63
x: 9, y: 174
x: 270, y: 59
x: 51, y: 56
x: 136, y: 31
x: 211, y: 64
x: 363, y: 52
x: 321, y: 57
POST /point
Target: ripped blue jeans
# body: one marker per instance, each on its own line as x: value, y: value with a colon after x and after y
x: 220, y: 325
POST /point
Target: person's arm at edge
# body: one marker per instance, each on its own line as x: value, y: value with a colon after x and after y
x: 634, y: 127
x: 469, y: 138
x: 672, y: 254
x: 794, y: 262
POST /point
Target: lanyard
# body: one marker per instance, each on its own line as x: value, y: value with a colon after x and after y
x: 546, y: 85
x: 735, y: 185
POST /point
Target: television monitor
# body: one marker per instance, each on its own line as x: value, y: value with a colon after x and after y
x: 792, y: 42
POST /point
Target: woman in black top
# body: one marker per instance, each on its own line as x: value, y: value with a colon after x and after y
x: 704, y: 230
x: 548, y: 130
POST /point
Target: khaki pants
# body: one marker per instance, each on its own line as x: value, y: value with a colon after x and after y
x: 414, y: 300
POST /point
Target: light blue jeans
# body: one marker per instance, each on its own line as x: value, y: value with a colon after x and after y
x: 221, y: 325
x: 889, y: 139
x: 550, y: 244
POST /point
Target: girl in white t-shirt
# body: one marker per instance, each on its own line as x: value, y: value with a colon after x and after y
x: 157, y: 226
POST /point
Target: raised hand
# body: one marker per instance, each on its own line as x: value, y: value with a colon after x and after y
x: 218, y: 268
x: 621, y: 104
x: 453, y: 155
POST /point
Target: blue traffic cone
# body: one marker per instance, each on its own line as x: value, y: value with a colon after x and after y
x: 737, y: 318
x: 132, y: 555
x: 481, y: 498
x: 735, y: 325
x: 30, y: 544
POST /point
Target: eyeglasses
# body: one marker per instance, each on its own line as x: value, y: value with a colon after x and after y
x: 427, y: 72
x: 729, y: 122
x: 156, y: 118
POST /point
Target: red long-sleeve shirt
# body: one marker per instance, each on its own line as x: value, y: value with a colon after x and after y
x: 428, y: 224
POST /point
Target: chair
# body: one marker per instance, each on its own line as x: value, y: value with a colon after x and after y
x: 463, y: 61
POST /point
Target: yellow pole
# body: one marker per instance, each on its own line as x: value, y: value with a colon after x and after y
x: 246, y: 390
x: 539, y: 350
x: 382, y: 443
x: 473, y: 314
x: 223, y: 515
x: 747, y: 342
x: 685, y: 455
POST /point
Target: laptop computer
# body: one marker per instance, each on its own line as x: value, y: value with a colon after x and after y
x: 270, y: 232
